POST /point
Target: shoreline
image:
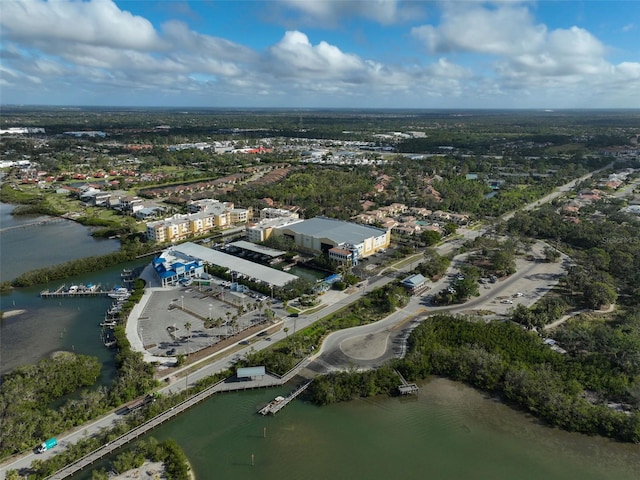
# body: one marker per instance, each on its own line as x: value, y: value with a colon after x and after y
x: 148, y: 471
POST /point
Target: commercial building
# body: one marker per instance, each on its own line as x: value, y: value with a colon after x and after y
x: 240, y: 267
x: 416, y: 284
x: 321, y: 234
x: 259, y: 232
x: 256, y: 253
x: 174, y: 266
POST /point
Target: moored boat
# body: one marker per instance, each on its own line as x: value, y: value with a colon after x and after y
x: 119, y: 293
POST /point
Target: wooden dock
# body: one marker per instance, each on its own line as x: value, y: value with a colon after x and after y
x: 279, y: 403
x: 406, y: 388
x: 79, y: 291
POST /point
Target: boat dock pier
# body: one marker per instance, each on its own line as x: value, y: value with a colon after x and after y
x: 406, y: 388
x: 75, y: 291
x: 279, y: 403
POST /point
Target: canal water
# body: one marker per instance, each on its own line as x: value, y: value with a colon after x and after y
x: 449, y: 431
x: 307, y: 273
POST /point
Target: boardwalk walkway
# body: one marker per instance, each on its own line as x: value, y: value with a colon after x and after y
x: 226, y: 385
x: 33, y: 224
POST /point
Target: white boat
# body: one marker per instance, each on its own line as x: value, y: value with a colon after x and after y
x: 269, y: 408
x: 119, y: 293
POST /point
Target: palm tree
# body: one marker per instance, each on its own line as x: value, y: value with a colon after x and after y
x: 187, y: 325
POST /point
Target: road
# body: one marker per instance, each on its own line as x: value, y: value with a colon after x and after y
x: 332, y: 343
x: 369, y: 346
x: 563, y: 189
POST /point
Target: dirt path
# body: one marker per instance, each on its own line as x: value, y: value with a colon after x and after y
x: 566, y: 317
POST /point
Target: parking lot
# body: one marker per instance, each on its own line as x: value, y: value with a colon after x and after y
x: 533, y: 279
x: 162, y: 324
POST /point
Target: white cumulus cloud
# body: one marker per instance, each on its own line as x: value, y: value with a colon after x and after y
x: 331, y: 12
x: 97, y: 22
x: 295, y: 54
x: 525, y: 56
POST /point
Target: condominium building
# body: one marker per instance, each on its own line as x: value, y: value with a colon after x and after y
x: 206, y: 215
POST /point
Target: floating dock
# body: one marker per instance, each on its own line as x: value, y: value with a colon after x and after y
x: 279, y: 403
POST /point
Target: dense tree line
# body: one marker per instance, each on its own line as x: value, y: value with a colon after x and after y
x: 27, y: 395
x: 333, y: 192
x: 511, y: 362
x: 514, y: 364
x: 176, y: 465
x: 346, y: 386
x: 129, y: 251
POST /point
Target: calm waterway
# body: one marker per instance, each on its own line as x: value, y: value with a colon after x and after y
x: 448, y: 432
x: 49, y: 325
x: 35, y: 246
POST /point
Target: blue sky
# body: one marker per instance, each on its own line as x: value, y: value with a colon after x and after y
x: 321, y: 53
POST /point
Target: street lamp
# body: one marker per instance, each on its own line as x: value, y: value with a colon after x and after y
x: 210, y: 306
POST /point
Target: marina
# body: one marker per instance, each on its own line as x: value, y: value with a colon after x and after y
x: 88, y: 290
